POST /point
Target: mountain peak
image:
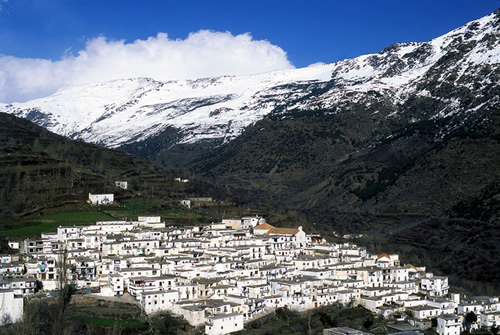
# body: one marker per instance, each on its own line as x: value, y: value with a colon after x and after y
x: 124, y: 111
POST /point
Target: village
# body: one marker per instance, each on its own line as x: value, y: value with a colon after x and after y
x: 225, y: 274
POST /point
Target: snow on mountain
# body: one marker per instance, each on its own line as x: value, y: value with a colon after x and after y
x: 129, y: 110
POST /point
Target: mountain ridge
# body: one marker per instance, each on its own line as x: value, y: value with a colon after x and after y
x: 127, y: 111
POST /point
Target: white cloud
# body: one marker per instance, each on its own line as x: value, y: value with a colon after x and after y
x: 201, y: 54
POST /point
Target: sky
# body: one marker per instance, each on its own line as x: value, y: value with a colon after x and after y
x: 49, y: 45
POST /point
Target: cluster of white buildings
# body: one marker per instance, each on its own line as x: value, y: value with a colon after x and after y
x: 224, y: 274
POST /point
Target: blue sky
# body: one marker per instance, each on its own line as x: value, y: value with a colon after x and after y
x: 307, y: 31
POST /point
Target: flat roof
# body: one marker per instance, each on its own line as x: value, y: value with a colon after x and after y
x: 223, y: 316
x: 402, y: 326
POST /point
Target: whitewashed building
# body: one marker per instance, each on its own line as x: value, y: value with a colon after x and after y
x: 223, y: 324
x: 121, y: 184
x: 11, y: 305
x: 449, y: 324
x: 435, y: 286
x: 101, y: 199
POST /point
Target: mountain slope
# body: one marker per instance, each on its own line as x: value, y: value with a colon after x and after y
x: 318, y: 159
x: 39, y: 169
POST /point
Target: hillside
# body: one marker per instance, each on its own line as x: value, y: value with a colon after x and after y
x: 39, y: 169
x: 316, y: 160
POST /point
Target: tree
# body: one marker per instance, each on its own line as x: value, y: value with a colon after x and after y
x: 329, y: 317
x: 368, y: 323
x: 471, y: 317
x: 6, y: 320
x: 38, y: 318
x: 39, y: 286
x: 434, y: 322
x: 64, y: 293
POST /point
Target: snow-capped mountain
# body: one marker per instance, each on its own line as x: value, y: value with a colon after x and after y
x: 131, y: 110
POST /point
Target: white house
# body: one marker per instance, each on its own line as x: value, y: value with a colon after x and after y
x: 383, y: 260
x: 16, y: 268
x: 399, y: 274
x: 233, y: 223
x: 449, y: 324
x: 346, y: 297
x: 11, y: 305
x: 69, y: 232
x: 181, y: 180
x: 435, y: 286
x: 155, y: 301
x: 121, y: 184
x: 117, y: 283
x: 251, y: 221
x: 194, y: 314
x: 14, y: 245
x: 477, y: 308
x: 301, y: 238
x: 42, y: 268
x: 101, y: 199
x: 150, y: 219
x: 372, y: 303
x: 223, y: 324
x: 20, y: 286
x: 489, y: 319
x: 186, y: 203
x: 425, y: 311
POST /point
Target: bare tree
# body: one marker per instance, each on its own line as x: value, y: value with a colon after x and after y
x: 64, y: 295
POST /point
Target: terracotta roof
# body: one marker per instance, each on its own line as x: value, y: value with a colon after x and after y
x: 383, y: 255
x: 264, y: 226
x: 282, y: 231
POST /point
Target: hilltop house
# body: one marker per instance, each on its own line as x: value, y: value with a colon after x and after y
x: 121, y: 184
x: 101, y: 199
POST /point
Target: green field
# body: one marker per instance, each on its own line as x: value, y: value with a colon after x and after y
x: 50, y: 221
x: 132, y: 208
x: 128, y: 210
x: 86, y: 215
